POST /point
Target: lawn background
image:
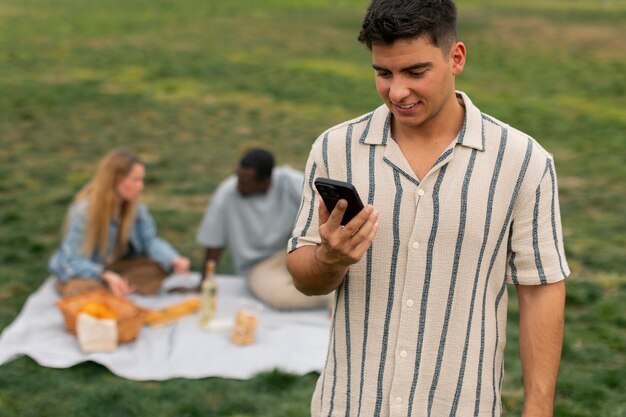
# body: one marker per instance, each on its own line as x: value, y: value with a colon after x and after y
x: 190, y: 84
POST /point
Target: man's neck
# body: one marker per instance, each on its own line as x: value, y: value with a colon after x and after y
x: 423, y: 144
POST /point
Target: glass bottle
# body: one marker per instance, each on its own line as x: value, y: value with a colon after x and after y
x: 208, y: 304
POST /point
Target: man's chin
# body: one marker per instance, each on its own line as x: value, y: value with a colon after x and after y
x: 412, y: 121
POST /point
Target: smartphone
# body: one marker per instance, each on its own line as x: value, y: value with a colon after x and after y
x: 333, y: 190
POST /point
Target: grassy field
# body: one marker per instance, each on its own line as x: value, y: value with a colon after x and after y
x: 189, y: 85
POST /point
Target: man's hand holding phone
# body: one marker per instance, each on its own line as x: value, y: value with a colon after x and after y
x: 344, y: 245
x: 344, y: 239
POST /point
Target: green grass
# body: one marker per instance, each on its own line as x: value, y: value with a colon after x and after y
x: 191, y: 84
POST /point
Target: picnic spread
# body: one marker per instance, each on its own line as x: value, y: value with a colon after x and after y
x: 159, y: 337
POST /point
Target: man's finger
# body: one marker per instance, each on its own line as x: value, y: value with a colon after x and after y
x: 360, y: 229
x: 334, y: 220
x: 323, y: 212
x: 366, y: 242
x: 361, y: 219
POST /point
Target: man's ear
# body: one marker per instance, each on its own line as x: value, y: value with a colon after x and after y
x: 266, y: 183
x: 457, y: 57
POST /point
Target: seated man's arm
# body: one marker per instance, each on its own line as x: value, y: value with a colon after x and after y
x: 211, y: 254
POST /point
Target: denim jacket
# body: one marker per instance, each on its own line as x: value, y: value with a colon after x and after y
x: 70, y: 260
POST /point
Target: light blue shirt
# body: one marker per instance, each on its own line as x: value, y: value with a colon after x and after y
x: 70, y: 260
x: 256, y: 227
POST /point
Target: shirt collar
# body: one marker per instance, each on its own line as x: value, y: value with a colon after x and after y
x: 378, y: 129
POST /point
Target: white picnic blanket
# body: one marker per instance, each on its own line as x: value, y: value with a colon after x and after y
x: 294, y: 342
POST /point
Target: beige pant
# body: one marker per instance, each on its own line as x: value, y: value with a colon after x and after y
x: 142, y: 273
x: 271, y: 282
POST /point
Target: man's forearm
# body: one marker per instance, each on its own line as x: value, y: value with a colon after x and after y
x: 311, y: 276
x: 211, y: 254
x: 541, y: 338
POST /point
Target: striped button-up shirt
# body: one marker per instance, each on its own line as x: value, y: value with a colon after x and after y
x: 419, y: 324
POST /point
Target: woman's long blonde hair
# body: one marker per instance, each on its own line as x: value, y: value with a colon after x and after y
x: 101, y: 194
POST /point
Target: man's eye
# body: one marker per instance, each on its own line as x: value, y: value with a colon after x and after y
x: 383, y: 74
x: 417, y: 74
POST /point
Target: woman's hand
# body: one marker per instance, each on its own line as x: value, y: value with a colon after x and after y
x: 180, y: 265
x: 119, y: 285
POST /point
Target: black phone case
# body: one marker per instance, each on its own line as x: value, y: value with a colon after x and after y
x: 333, y: 190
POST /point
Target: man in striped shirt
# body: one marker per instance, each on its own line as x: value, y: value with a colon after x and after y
x: 458, y: 205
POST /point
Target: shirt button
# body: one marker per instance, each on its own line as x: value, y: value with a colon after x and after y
x: 403, y: 354
x: 409, y: 303
x: 398, y: 400
x: 416, y: 245
x: 420, y: 192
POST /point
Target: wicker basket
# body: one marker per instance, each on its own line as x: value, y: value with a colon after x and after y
x: 130, y: 317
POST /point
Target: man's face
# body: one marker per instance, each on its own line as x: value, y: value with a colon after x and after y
x: 415, y: 79
x: 248, y: 184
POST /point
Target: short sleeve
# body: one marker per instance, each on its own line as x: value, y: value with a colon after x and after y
x: 295, y: 181
x: 306, y: 227
x: 535, y: 250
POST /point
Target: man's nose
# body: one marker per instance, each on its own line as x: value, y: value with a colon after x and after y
x: 398, y: 90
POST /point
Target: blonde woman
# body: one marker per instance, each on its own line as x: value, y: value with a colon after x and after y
x: 110, y: 239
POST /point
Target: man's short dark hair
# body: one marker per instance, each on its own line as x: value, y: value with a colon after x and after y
x: 387, y: 21
x: 261, y: 160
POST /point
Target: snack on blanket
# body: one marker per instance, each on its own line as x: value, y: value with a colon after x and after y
x: 245, y: 326
x: 173, y: 312
x: 98, y: 310
x: 129, y: 316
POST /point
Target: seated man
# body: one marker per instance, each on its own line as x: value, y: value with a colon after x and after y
x: 252, y: 214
